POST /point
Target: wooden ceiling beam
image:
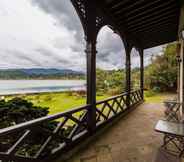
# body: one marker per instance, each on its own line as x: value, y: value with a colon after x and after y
x: 157, y: 29
x: 153, y: 19
x: 116, y: 4
x: 171, y: 19
x: 158, y: 43
x: 155, y: 15
x: 126, y: 6
x: 162, y: 36
x: 143, y: 7
x: 151, y: 36
x: 150, y: 11
x: 156, y: 36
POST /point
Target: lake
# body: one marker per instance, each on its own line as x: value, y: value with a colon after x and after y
x: 9, y: 87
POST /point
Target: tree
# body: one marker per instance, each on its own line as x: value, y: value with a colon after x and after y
x: 110, y: 81
x: 18, y: 110
x: 161, y: 74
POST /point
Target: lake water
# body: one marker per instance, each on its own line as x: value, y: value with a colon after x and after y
x: 38, y: 86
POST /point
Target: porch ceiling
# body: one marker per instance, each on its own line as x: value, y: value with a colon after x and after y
x: 147, y: 23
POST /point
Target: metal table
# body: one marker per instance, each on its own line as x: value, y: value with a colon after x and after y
x: 173, y: 136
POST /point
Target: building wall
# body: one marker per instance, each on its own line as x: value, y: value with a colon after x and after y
x: 181, y: 79
x: 181, y: 93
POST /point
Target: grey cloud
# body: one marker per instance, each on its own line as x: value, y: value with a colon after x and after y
x: 110, y: 49
x: 63, y: 11
x: 65, y: 14
x: 22, y: 56
x: 58, y: 59
x: 53, y: 56
x: 77, y: 47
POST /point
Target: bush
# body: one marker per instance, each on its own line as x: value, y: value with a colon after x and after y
x: 149, y: 93
x: 114, y: 91
x: 18, y: 110
x: 48, y: 98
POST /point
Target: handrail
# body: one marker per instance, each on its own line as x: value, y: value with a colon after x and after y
x: 111, y: 98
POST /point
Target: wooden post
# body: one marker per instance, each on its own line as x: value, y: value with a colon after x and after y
x: 91, y: 36
x: 141, y: 52
x: 128, y: 49
x: 91, y: 83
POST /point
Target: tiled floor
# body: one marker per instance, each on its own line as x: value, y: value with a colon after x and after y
x: 131, y: 139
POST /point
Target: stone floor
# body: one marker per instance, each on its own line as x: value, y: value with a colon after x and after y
x: 131, y: 139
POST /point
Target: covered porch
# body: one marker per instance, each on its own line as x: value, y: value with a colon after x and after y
x: 141, y: 24
x: 130, y: 139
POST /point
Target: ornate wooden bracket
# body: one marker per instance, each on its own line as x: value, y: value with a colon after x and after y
x: 91, y: 20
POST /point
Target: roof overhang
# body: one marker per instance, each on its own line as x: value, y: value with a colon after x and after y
x: 145, y: 23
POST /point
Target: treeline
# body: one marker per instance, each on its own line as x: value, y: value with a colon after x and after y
x: 8, y: 74
x: 160, y: 75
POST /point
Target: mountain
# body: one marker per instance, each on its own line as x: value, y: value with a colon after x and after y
x: 40, y: 73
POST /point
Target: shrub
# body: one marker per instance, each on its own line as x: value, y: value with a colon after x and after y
x: 149, y: 93
x: 48, y: 98
x: 18, y: 110
x: 114, y: 91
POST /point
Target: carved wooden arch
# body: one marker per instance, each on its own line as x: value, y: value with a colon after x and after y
x: 80, y: 9
x: 87, y: 17
x: 128, y: 46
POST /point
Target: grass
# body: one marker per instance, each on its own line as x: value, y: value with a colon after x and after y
x: 153, y: 97
x: 59, y: 102
x: 63, y: 101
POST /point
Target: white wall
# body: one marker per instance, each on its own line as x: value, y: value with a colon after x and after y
x: 181, y: 76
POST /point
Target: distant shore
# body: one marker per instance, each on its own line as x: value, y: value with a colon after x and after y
x: 44, y: 93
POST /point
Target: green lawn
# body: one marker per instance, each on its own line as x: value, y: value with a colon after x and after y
x: 59, y: 102
x: 152, y: 97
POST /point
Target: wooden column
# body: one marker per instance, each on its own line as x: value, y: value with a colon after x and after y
x: 91, y: 83
x: 141, y: 52
x: 128, y: 49
x: 90, y: 36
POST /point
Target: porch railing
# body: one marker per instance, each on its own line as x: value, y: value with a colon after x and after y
x: 43, y: 138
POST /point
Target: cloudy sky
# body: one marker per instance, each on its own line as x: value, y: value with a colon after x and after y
x: 48, y: 34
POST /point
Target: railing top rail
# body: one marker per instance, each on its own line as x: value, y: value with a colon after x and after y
x: 38, y: 121
x: 135, y: 90
x: 111, y: 98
